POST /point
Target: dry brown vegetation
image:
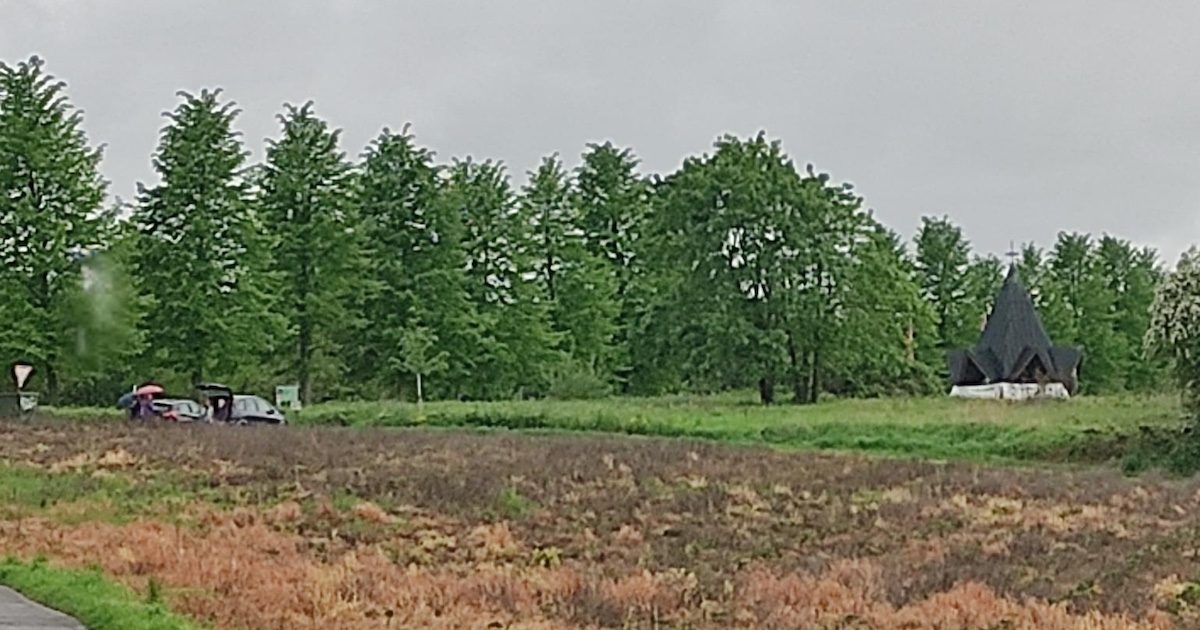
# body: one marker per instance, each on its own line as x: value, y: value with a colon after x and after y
x: 329, y: 528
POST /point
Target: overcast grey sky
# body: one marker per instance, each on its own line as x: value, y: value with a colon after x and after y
x: 1018, y: 119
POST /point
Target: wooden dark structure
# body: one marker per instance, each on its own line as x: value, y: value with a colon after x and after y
x: 1014, y: 346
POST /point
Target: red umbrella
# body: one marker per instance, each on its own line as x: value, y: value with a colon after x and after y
x: 149, y: 390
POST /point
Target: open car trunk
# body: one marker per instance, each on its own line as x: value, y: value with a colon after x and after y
x: 220, y: 400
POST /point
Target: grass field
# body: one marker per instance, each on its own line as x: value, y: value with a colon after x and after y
x: 89, y: 597
x: 363, y: 517
x: 324, y: 527
x: 1086, y: 429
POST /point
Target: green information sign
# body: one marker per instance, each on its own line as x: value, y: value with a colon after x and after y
x: 287, y: 396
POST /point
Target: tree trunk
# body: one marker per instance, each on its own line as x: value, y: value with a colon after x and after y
x: 766, y: 390
x: 910, y: 343
x: 51, y: 383
x: 796, y: 372
x: 305, y: 358
x: 814, y: 383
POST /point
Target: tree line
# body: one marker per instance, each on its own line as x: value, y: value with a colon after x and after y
x: 352, y: 277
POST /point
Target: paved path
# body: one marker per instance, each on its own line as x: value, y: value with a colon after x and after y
x: 18, y: 613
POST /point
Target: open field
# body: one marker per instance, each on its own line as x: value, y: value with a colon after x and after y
x: 366, y: 528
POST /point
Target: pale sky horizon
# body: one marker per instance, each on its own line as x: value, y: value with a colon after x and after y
x: 1016, y: 119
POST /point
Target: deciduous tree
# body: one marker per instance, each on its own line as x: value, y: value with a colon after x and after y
x: 580, y: 286
x: 306, y: 199
x: 51, y: 194
x: 943, y: 263
x: 198, y: 256
x: 419, y: 267
x: 518, y: 346
x: 613, y: 199
x: 1174, y: 330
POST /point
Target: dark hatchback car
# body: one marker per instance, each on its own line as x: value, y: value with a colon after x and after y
x: 230, y: 408
x: 248, y: 408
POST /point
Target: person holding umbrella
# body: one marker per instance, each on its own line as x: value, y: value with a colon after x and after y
x: 143, y: 403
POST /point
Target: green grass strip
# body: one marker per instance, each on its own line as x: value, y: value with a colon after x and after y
x: 1083, y: 430
x: 1086, y: 429
x: 88, y: 596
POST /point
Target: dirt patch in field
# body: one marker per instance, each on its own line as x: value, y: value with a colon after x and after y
x: 356, y: 528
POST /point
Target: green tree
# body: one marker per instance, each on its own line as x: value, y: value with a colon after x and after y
x: 415, y: 238
x: 1131, y: 276
x: 984, y: 278
x: 819, y: 276
x: 657, y: 359
x: 943, y: 260
x: 306, y: 198
x: 50, y: 216
x: 553, y: 221
x: 1037, y: 276
x: 1174, y: 331
x: 517, y: 354
x: 762, y: 254
x: 613, y: 201
x: 885, y: 322
x: 714, y: 221
x: 420, y: 357
x: 580, y: 287
x: 198, y: 256
x: 1080, y: 289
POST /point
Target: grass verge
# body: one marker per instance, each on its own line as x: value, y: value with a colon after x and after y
x: 1082, y: 430
x: 87, y: 596
x: 1091, y: 429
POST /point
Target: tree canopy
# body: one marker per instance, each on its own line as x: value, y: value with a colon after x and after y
x: 51, y: 196
x: 198, y: 255
x: 740, y: 269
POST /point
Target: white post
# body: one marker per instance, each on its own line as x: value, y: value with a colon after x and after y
x: 420, y: 400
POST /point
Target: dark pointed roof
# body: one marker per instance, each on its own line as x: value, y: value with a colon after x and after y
x: 1013, y: 327
x: 1012, y: 339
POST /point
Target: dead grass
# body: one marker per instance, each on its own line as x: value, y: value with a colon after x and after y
x: 369, y: 529
x: 271, y: 579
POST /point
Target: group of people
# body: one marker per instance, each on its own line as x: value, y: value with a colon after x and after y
x: 139, y: 403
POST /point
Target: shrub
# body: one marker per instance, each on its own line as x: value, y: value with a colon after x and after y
x: 574, y: 381
x: 512, y: 504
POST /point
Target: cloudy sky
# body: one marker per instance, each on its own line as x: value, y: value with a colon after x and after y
x: 1018, y: 119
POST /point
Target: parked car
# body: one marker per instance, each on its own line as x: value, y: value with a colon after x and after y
x: 230, y: 408
x: 248, y: 408
x: 179, y: 410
